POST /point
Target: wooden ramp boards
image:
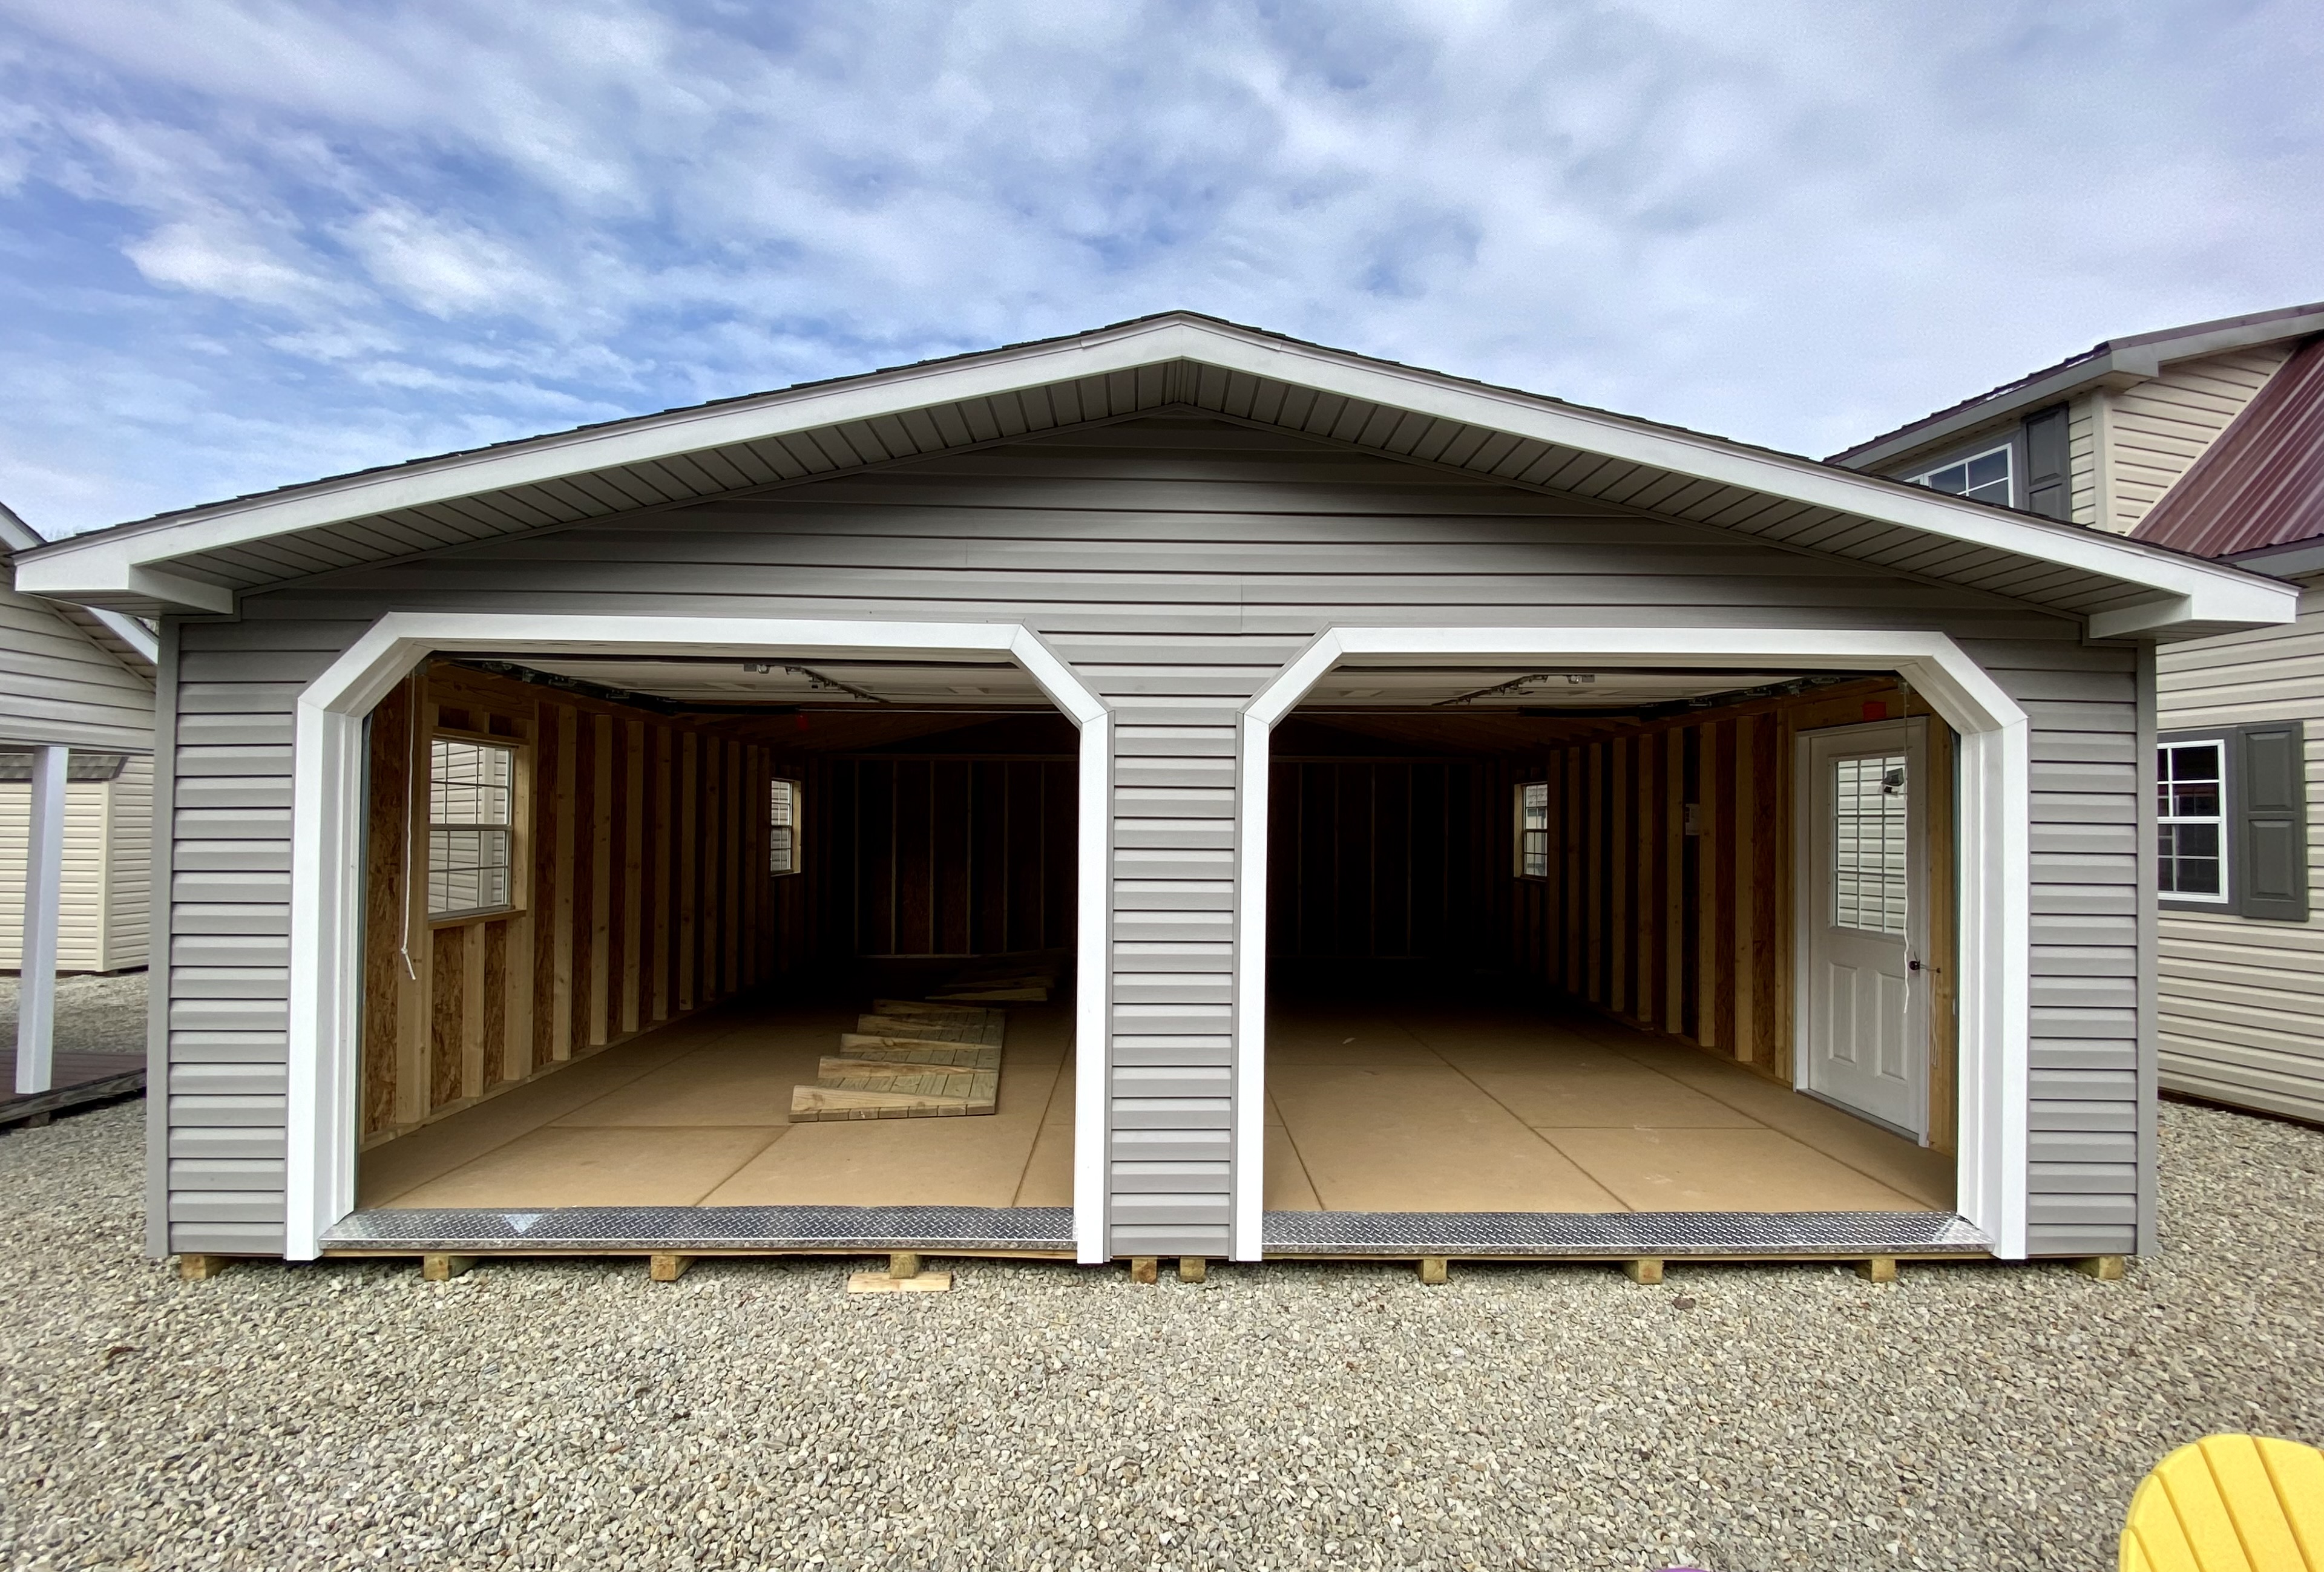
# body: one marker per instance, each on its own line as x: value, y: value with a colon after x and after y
x: 909, y: 1059
x: 1003, y: 977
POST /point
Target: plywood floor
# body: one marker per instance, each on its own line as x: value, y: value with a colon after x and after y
x: 698, y: 1113
x: 1394, y: 1106
x: 1431, y: 1106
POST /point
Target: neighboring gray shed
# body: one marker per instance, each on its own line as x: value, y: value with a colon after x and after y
x: 1343, y: 721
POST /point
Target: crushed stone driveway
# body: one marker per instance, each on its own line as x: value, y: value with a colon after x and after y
x: 571, y: 1414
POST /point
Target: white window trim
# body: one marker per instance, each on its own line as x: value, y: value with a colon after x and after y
x: 428, y: 827
x: 1519, y: 805
x: 2225, y: 899
x: 2006, y: 447
x: 1994, y: 865
x: 798, y: 795
x: 327, y: 863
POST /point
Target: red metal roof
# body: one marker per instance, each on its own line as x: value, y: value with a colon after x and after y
x: 2262, y: 482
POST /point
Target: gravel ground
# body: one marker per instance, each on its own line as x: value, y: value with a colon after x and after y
x: 753, y: 1415
x: 95, y: 1014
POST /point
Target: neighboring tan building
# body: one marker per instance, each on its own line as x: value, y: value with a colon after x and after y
x: 2208, y: 438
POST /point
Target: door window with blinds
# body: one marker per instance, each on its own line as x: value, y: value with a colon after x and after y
x: 1533, y: 830
x: 783, y: 827
x: 1870, y: 850
x: 471, y: 828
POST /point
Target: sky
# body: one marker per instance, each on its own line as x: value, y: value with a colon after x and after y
x: 249, y: 243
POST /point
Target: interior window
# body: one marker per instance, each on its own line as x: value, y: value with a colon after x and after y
x: 1983, y: 476
x: 2191, y: 820
x: 1533, y: 830
x: 471, y: 795
x: 783, y: 826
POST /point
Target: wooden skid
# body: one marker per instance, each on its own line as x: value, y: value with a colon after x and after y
x: 924, y: 1030
x: 977, y: 1089
x: 973, y: 1013
x: 881, y: 1282
x: 814, y: 1104
x: 1034, y: 993
x: 975, y: 1055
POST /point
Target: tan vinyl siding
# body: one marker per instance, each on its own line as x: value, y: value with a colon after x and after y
x: 2083, y: 459
x: 1177, y: 562
x: 105, y: 862
x: 2160, y: 427
x: 2240, y: 1016
x: 128, y: 867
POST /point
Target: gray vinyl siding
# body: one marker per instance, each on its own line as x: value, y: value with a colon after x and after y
x: 1177, y: 565
x: 58, y: 685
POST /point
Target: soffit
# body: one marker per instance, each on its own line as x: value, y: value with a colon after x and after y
x: 202, y: 558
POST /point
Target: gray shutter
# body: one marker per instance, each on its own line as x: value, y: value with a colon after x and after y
x: 2271, y: 826
x: 2046, y: 488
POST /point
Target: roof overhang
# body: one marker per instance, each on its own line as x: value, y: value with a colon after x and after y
x: 2116, y: 364
x: 201, y: 560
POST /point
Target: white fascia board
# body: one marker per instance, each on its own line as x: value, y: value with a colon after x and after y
x: 104, y: 564
x: 1954, y: 684
x: 132, y: 632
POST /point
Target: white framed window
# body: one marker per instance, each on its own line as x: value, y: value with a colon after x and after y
x: 782, y: 827
x: 1983, y: 477
x: 2190, y: 820
x: 1533, y: 830
x: 1871, y: 889
x: 471, y: 828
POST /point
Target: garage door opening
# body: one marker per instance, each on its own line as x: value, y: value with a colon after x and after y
x: 698, y: 931
x: 1597, y: 939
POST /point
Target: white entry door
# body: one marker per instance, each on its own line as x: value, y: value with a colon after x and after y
x: 1864, y: 914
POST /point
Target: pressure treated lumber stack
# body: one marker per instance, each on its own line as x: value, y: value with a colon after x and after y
x: 909, y: 1059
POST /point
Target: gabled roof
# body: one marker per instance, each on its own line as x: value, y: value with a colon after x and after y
x: 200, y: 559
x: 2117, y: 362
x: 2260, y: 485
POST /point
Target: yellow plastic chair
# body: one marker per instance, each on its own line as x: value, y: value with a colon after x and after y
x: 2229, y: 1504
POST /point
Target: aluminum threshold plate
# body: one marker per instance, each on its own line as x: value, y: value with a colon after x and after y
x: 871, y: 1229
x: 1620, y: 1234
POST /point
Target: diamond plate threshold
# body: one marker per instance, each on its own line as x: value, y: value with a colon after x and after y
x: 742, y: 1231
x: 1776, y: 1234
x: 1047, y: 1231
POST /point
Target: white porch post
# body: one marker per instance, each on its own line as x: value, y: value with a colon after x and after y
x: 44, y: 879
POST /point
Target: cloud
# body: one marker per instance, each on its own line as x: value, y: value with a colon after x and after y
x: 215, y: 259
x: 417, y: 223
x: 444, y: 269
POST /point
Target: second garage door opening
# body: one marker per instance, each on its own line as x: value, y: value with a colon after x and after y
x: 1591, y: 941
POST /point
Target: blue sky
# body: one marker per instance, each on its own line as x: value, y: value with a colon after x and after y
x: 244, y: 243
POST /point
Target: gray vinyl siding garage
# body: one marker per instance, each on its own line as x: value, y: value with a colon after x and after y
x: 1177, y: 508
x: 1177, y: 563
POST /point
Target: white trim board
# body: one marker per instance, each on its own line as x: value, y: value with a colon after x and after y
x: 1995, y: 863
x: 136, y: 561
x: 327, y: 860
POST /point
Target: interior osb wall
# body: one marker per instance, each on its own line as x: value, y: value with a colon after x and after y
x: 942, y: 856
x: 642, y: 892
x: 1691, y: 933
